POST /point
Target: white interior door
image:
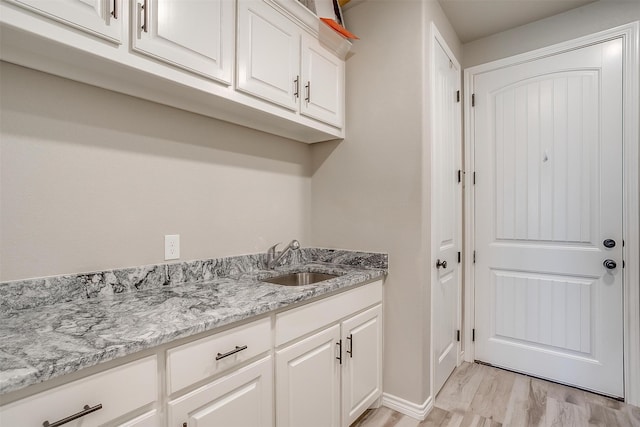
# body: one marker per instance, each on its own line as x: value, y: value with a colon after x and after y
x: 446, y: 210
x: 548, y: 157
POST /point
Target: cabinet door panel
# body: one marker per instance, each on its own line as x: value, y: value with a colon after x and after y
x: 240, y: 399
x: 323, y: 81
x: 308, y: 381
x: 362, y: 372
x: 93, y: 16
x: 268, y: 53
x: 192, y: 34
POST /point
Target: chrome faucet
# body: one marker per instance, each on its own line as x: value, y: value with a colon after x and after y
x: 274, y: 258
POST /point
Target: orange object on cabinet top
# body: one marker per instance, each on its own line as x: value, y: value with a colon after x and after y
x: 339, y: 28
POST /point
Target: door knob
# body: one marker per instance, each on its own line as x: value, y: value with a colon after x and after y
x: 610, y: 264
x: 609, y: 243
x: 442, y: 264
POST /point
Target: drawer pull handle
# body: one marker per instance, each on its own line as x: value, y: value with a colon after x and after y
x: 229, y: 353
x: 350, y: 351
x: 87, y: 410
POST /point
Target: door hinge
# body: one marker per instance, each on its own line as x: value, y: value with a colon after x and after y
x: 474, y: 178
x: 458, y: 335
x: 459, y: 176
x: 474, y: 257
x: 473, y: 335
x: 459, y: 257
x: 457, y: 96
x: 622, y: 263
x: 473, y: 99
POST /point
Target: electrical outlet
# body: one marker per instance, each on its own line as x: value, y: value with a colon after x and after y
x: 171, y: 246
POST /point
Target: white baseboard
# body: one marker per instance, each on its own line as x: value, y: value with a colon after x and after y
x: 419, y: 412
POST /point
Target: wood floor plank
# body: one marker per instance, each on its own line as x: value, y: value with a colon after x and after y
x: 527, y: 404
x: 474, y: 396
x: 459, y: 390
x: 565, y: 414
x: 603, y: 416
x: 633, y: 412
x: 492, y: 398
x: 435, y: 418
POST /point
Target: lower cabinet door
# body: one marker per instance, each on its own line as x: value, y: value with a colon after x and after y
x: 308, y: 381
x: 243, y: 398
x: 362, y: 367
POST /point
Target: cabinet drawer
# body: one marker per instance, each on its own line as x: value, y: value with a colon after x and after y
x: 196, y: 361
x: 119, y: 390
x: 242, y: 398
x: 149, y: 419
x: 294, y: 323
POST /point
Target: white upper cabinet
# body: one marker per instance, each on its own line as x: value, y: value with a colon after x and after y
x: 277, y: 61
x: 323, y: 82
x: 99, y: 17
x: 249, y: 62
x: 192, y: 34
x: 268, y: 54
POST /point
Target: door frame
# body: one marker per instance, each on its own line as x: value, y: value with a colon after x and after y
x: 437, y: 39
x: 629, y: 34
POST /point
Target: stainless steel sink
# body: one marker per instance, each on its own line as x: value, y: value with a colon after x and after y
x: 300, y: 279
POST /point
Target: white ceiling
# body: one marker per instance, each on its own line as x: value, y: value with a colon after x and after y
x: 473, y: 19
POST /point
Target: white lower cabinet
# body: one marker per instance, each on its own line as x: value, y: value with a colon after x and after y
x: 243, y: 398
x: 308, y: 381
x: 328, y: 370
x: 362, y: 363
x: 332, y: 376
x: 102, y: 398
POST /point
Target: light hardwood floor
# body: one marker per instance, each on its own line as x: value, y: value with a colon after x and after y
x: 483, y: 396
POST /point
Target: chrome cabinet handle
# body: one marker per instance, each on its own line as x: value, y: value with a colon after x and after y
x: 86, y: 411
x: 297, y: 86
x: 442, y: 264
x: 114, y: 13
x: 145, y: 15
x: 350, y: 351
x: 308, y: 87
x: 229, y: 353
x: 339, y: 345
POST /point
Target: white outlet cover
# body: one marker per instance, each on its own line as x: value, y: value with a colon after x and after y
x: 171, y: 246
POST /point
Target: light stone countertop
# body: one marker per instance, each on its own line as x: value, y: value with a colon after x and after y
x: 47, y: 341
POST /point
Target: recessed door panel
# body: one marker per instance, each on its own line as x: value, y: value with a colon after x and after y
x: 548, y: 157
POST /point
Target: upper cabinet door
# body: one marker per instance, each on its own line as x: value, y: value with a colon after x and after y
x: 268, y: 54
x: 192, y: 34
x: 98, y: 17
x: 322, y: 83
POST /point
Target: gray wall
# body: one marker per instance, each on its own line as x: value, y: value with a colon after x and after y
x: 370, y: 191
x: 91, y: 179
x: 585, y: 20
